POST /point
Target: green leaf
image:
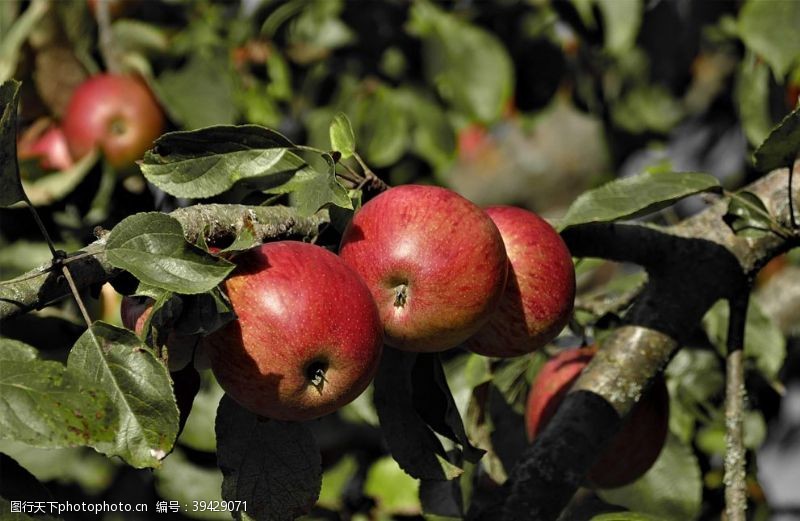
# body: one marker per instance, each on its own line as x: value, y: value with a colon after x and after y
x: 412, y: 443
x: 152, y: 247
x: 647, y: 108
x: 781, y: 147
x: 752, y: 99
x: 635, y: 196
x: 621, y: 22
x: 435, y: 404
x: 45, y: 404
x: 513, y: 378
x: 200, y: 94
x: 382, y: 125
x: 275, y: 466
x: 311, y: 189
x: 180, y: 480
x: 395, y: 491
x: 209, y: 161
x: 694, y: 379
x: 139, y: 386
x: 469, y: 66
x: 342, y: 138
x: 747, y: 215
x: 335, y: 481
x: 763, y: 341
x: 13, y: 40
x: 10, y: 187
x: 658, y: 492
x: 135, y: 36
x: 198, y: 433
x: 770, y: 29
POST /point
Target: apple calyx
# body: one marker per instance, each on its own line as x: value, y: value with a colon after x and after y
x: 401, y: 295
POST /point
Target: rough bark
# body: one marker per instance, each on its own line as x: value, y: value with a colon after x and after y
x: 42, y: 286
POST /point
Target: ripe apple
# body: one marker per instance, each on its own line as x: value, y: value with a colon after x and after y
x: 637, y: 444
x: 540, y: 290
x: 47, y: 144
x: 308, y: 336
x: 434, y: 262
x: 116, y: 113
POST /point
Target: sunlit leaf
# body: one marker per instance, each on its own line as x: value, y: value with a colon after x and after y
x: 342, y: 138
x: 152, y: 247
x: 638, y: 195
x: 770, y: 29
x: 44, y: 404
x: 116, y: 361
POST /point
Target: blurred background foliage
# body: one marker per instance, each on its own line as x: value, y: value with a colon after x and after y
x: 507, y: 101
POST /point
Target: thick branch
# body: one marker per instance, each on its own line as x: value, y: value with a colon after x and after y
x: 42, y: 286
x: 690, y: 266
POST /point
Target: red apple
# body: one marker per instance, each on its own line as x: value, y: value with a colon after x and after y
x: 540, y: 290
x: 637, y: 444
x: 434, y: 262
x: 47, y: 144
x: 308, y: 336
x: 116, y: 113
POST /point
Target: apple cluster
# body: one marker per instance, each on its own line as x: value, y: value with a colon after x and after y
x: 420, y: 268
x: 115, y: 113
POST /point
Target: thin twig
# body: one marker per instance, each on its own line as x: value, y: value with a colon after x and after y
x: 47, y: 269
x: 375, y: 182
x: 74, y: 289
x: 58, y: 257
x: 735, y: 455
x: 42, y: 229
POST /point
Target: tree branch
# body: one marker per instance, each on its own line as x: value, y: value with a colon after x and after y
x: 690, y: 266
x: 735, y: 463
x: 42, y: 286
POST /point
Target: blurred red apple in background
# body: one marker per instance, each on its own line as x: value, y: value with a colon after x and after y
x: 540, y: 290
x: 307, y: 339
x: 116, y: 113
x: 434, y: 262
